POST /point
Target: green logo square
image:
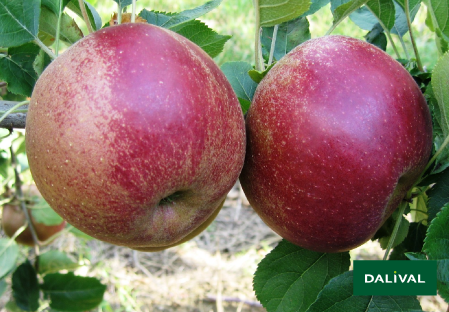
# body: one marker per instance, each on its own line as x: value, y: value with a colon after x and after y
x: 395, y: 278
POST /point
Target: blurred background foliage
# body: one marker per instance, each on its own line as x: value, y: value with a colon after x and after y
x: 236, y: 18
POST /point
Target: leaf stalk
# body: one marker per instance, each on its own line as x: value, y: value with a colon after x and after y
x: 85, y: 16
x: 412, y: 38
x: 402, y: 207
x: 258, y: 45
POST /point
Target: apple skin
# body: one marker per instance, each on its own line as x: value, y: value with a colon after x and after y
x: 13, y: 218
x: 337, y: 133
x: 135, y: 137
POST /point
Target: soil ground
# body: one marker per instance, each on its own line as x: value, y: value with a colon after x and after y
x: 212, y: 272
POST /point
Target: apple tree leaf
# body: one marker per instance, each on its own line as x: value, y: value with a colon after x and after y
x: 69, y: 31
x: 43, y: 213
x: 19, y: 22
x: 203, y: 36
x: 41, y: 62
x: 243, y: 86
x: 416, y: 256
x: 439, y: 83
x: 68, y: 292
x: 337, y: 295
x: 94, y: 17
x: 436, y: 246
x: 123, y: 3
x: 439, y: 193
x: 384, y: 233
x: 384, y: 11
x: 400, y: 27
x: 188, y: 15
x: 155, y: 17
x: 377, y: 37
x: 25, y: 287
x: 289, y: 278
x: 54, y: 261
x: 289, y: 35
x: 343, y: 10
x: 9, y: 251
x: 53, y: 5
x: 439, y: 13
x: 17, y: 70
x: 273, y: 12
x: 315, y: 5
x: 412, y: 244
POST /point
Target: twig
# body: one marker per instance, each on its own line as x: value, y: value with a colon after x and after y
x: 85, y: 16
x: 402, y: 207
x: 19, y: 195
x: 273, y: 44
x: 235, y: 299
x: 13, y: 118
x: 412, y: 38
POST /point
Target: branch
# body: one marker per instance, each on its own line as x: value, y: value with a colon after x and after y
x: 15, y: 119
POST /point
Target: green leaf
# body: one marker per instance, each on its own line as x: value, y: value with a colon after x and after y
x: 400, y: 27
x: 337, y: 295
x: 155, y: 17
x: 416, y: 256
x: 17, y: 70
x: 9, y: 251
x: 243, y: 86
x: 43, y: 213
x: 41, y: 62
x: 273, y: 12
x: 188, y: 15
x: 413, y: 243
x: 385, y: 231
x: 289, y: 35
x: 384, y: 11
x: 438, y: 98
x: 290, y: 277
x: 69, y: 32
x: 123, y: 3
x: 436, y: 243
x: 19, y: 21
x: 78, y: 233
x: 439, y: 12
x: 53, y: 5
x: 94, y: 17
x: 377, y: 37
x: 25, y: 287
x: 436, y: 246
x: 438, y: 194
x: 54, y: 261
x: 206, y: 38
x: 315, y: 6
x: 342, y: 11
x: 68, y: 292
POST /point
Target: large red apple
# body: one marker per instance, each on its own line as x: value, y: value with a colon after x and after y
x: 135, y: 137
x: 338, y: 131
x: 14, y: 218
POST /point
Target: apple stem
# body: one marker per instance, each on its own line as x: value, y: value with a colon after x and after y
x: 133, y: 12
x: 258, y: 45
x: 412, y: 38
x: 273, y: 44
x: 402, y: 207
x: 19, y: 195
x: 85, y: 16
x: 119, y: 13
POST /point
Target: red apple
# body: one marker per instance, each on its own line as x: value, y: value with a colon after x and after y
x: 135, y: 137
x: 13, y: 218
x: 338, y: 132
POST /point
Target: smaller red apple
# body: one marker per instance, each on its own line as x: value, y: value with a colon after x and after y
x: 13, y: 218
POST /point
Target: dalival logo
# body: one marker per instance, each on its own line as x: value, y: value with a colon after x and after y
x: 396, y: 278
